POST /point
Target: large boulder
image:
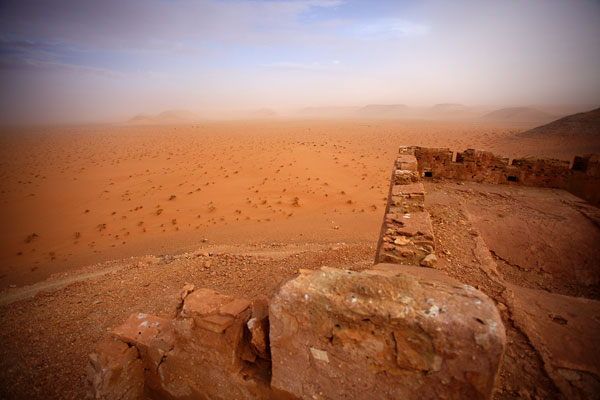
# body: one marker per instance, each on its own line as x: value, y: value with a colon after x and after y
x: 395, y: 332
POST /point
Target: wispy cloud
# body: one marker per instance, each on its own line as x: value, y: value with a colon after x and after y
x: 391, y: 28
x: 30, y: 55
x: 296, y: 66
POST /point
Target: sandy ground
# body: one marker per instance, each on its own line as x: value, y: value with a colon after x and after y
x: 73, y: 196
x: 233, y: 206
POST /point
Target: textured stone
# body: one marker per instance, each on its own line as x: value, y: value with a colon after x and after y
x: 582, y: 179
x: 258, y: 325
x: 407, y: 198
x: 206, y: 352
x: 429, y: 260
x: 566, y: 333
x: 389, y: 333
x: 406, y: 162
x: 406, y: 238
x: 405, y: 177
x: 407, y: 150
x: 115, y: 372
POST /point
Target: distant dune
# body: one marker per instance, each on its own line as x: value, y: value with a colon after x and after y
x: 518, y: 114
x: 585, y: 124
x: 165, y: 117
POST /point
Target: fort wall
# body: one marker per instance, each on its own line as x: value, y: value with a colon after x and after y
x: 580, y: 177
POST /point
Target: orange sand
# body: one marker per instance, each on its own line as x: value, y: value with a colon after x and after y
x: 97, y: 193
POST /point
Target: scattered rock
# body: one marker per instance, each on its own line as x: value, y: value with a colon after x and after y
x: 429, y: 261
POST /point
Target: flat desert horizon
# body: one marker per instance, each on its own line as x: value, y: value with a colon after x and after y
x: 80, y: 195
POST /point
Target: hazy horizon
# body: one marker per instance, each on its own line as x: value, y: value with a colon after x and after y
x: 69, y: 60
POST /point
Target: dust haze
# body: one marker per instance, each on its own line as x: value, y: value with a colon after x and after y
x: 86, y: 61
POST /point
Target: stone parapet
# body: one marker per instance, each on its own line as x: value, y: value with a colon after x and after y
x: 581, y: 177
x: 395, y: 331
x: 211, y: 350
x: 406, y: 234
x: 408, y: 238
x: 407, y: 198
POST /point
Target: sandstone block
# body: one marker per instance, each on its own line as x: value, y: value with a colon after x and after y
x: 407, y: 238
x: 153, y: 337
x: 115, y: 371
x: 405, y: 177
x: 392, y: 333
x: 406, y: 162
x: 407, y: 198
x: 258, y: 325
x: 206, y: 352
x: 429, y: 261
x: 406, y: 150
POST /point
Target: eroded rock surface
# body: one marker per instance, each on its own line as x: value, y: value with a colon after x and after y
x: 392, y: 332
x: 115, y: 371
x: 407, y: 239
x: 566, y: 332
x: 208, y: 351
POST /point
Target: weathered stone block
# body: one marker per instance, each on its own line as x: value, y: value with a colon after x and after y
x: 258, y: 325
x: 406, y: 162
x: 543, y: 172
x: 407, y: 238
x: 392, y: 333
x: 407, y: 150
x: 153, y: 337
x: 208, y: 351
x: 115, y: 371
x: 437, y: 162
x: 405, y: 177
x: 407, y: 198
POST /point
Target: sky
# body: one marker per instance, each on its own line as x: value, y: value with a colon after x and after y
x: 89, y: 60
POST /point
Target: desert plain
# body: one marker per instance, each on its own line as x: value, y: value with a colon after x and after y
x: 78, y: 195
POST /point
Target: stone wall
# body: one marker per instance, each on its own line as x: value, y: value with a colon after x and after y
x: 582, y: 178
x: 395, y: 331
x: 406, y: 234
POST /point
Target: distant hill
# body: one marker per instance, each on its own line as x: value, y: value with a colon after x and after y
x: 584, y: 124
x: 382, y: 111
x: 165, y: 117
x: 448, y: 107
x: 518, y: 114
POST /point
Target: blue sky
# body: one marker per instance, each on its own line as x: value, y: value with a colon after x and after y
x: 85, y: 59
